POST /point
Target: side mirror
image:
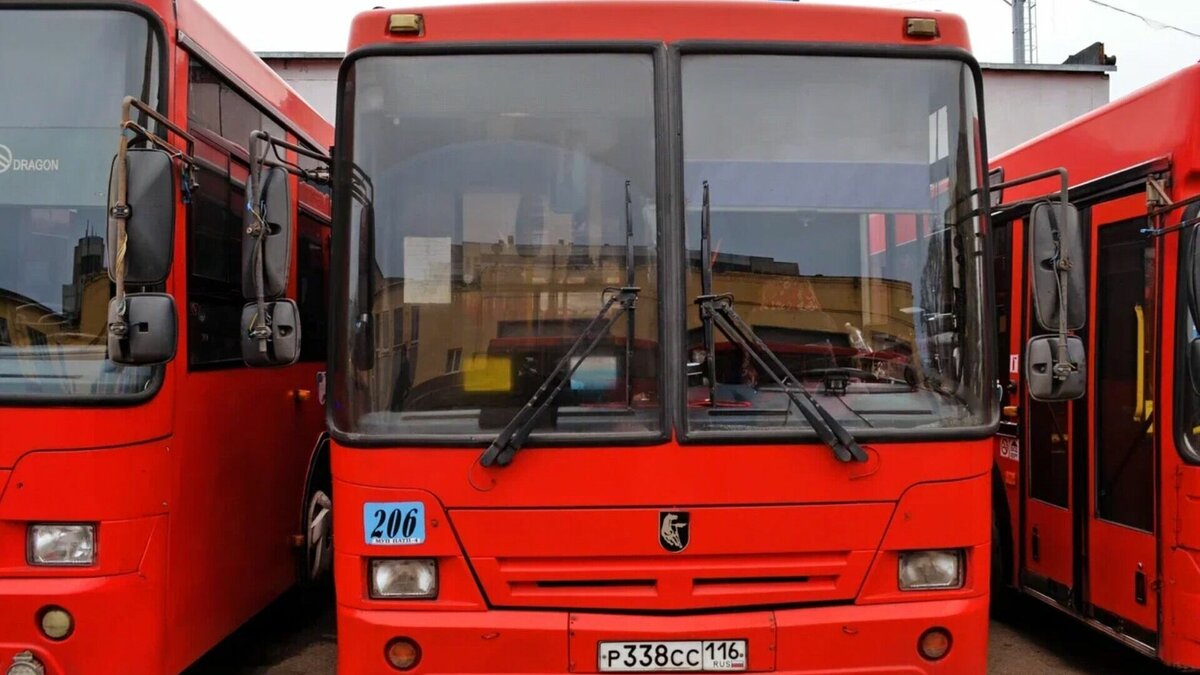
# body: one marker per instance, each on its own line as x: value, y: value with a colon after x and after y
x: 145, y: 334
x: 275, y: 341
x: 1193, y: 263
x: 275, y: 208
x: 362, y: 354
x: 1194, y: 363
x: 1041, y: 362
x: 1056, y: 260
x: 362, y: 346
x: 149, y: 211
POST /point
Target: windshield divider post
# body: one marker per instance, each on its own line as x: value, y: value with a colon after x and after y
x: 630, y: 281
x: 706, y: 318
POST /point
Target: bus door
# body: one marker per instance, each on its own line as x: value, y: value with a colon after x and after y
x: 1050, y: 526
x: 1120, y: 550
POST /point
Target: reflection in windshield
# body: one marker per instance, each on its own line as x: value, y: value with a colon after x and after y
x: 836, y: 227
x: 499, y: 220
x: 58, y: 114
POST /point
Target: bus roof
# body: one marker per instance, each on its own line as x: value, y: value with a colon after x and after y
x: 658, y: 21
x: 1159, y: 120
x: 200, y: 31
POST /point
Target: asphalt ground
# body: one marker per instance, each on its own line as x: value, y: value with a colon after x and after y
x: 297, y: 636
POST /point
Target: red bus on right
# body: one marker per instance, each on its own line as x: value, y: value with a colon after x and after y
x: 1097, y: 499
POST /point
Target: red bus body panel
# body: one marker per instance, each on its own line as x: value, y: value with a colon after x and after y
x: 1159, y: 122
x: 197, y: 491
x: 540, y: 562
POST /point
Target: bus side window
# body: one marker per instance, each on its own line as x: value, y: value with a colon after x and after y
x: 312, y: 270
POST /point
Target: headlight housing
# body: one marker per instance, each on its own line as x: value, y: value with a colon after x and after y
x: 61, y: 544
x: 406, y: 579
x: 931, y: 570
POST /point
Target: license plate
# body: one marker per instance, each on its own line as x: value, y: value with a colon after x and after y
x: 684, y: 657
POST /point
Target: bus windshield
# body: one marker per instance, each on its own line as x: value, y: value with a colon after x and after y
x: 842, y: 224
x: 507, y: 199
x: 67, y: 72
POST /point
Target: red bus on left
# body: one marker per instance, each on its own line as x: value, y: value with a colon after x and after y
x: 155, y: 491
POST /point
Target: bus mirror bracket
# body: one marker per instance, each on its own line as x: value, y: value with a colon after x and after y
x: 270, y: 325
x: 142, y: 329
x: 1056, y: 368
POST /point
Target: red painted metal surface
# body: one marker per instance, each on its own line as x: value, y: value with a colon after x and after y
x: 540, y: 562
x: 196, y: 492
x: 1157, y: 122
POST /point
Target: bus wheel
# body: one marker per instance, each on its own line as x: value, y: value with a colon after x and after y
x: 318, y: 536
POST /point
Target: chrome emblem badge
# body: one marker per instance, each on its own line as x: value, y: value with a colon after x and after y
x: 673, y: 533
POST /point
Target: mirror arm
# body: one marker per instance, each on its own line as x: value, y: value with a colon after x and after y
x: 320, y: 176
x: 1063, y: 190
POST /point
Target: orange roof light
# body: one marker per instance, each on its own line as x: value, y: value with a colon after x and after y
x: 921, y: 27
x: 406, y: 24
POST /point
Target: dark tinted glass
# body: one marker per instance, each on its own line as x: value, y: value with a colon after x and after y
x: 1125, y: 342
x: 312, y: 271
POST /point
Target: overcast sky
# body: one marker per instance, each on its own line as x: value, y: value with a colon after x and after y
x: 1145, y: 51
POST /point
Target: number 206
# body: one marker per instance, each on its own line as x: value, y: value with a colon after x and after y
x: 395, y: 523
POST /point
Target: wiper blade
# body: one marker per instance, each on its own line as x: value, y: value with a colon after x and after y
x: 717, y: 311
x: 516, y: 432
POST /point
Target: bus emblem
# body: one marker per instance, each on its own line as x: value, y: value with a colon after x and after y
x: 673, y: 534
x: 6, y: 158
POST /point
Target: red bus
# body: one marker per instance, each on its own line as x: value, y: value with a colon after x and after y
x: 153, y: 490
x: 1096, y: 498
x: 660, y: 341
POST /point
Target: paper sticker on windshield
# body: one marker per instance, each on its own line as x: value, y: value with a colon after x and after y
x: 427, y: 270
x: 394, y: 523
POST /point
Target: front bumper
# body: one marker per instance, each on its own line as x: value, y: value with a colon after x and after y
x: 118, y: 624
x: 844, y: 639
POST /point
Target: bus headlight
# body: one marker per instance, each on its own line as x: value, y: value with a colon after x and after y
x: 411, y: 579
x: 61, y: 545
x: 931, y: 570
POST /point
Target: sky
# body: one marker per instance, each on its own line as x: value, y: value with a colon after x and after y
x: 1145, y: 50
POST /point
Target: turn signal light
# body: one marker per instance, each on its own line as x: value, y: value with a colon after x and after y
x: 403, y: 653
x: 934, y: 644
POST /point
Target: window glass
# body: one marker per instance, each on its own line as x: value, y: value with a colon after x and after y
x: 1124, y: 363
x: 842, y: 226
x: 508, y: 198
x: 65, y: 75
x: 312, y: 269
x: 214, y: 296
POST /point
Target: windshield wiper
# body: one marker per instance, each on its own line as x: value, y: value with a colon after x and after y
x: 516, y: 432
x: 717, y: 311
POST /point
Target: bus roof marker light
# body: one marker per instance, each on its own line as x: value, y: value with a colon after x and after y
x: 921, y: 27
x: 406, y: 24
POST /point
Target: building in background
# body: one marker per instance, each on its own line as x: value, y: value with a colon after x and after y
x: 1023, y: 100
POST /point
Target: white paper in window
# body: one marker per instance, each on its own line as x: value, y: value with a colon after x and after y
x: 939, y: 135
x: 427, y: 270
